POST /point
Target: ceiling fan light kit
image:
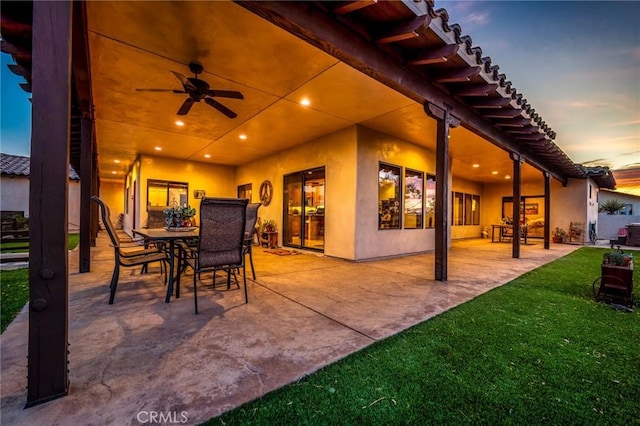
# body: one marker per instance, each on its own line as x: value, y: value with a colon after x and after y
x: 198, y: 90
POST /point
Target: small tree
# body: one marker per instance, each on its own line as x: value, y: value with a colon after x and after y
x: 612, y: 206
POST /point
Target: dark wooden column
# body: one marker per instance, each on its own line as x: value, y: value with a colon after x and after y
x: 444, y: 121
x: 95, y: 190
x: 517, y: 211
x: 48, y: 202
x: 547, y: 209
x: 86, y: 187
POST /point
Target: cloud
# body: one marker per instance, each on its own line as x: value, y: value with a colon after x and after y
x: 624, y: 123
x: 478, y: 18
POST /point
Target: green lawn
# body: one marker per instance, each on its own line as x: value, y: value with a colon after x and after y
x: 14, y: 286
x: 538, y: 350
x: 14, y: 293
x: 22, y: 247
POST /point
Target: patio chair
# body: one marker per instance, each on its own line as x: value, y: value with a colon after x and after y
x: 249, y: 231
x: 221, y: 240
x: 126, y: 258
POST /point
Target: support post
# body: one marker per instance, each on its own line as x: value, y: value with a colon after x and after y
x: 547, y: 209
x: 445, y: 120
x: 48, y: 203
x: 517, y: 200
x: 86, y: 186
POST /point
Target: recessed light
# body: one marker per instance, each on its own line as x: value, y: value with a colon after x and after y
x: 305, y: 102
x: 507, y: 176
x: 116, y: 161
x: 475, y: 166
x: 207, y: 156
x: 179, y: 123
x: 157, y: 148
x: 243, y: 136
x: 114, y: 172
x: 495, y: 172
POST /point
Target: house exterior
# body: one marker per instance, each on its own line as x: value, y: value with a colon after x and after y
x: 366, y: 129
x: 14, y: 180
x: 610, y: 227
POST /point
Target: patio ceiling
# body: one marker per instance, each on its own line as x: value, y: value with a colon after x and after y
x: 137, y: 44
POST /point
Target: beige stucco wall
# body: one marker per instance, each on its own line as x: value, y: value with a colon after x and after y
x: 371, y: 242
x: 216, y: 180
x: 15, y: 196
x: 112, y: 193
x: 337, y: 153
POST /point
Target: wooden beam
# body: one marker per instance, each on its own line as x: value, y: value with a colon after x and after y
x: 405, y: 30
x: 444, y: 121
x: 517, y: 211
x: 48, y: 199
x: 316, y: 26
x: 514, y: 122
x: 547, y: 209
x: 489, y: 103
x: 532, y: 137
x: 524, y: 130
x: 86, y: 156
x: 351, y: 6
x: 456, y: 75
x: 482, y: 89
x: 434, y: 56
x: 502, y: 113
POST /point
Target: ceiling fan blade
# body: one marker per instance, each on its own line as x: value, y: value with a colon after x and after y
x: 155, y: 90
x: 188, y: 86
x: 225, y: 94
x: 223, y: 109
x: 186, y: 106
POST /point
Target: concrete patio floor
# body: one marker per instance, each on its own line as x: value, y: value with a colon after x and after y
x: 305, y: 311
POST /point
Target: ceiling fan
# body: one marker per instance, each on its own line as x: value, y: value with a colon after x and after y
x: 198, y: 90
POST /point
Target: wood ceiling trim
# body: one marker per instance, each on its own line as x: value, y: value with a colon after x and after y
x: 352, y: 6
x: 475, y: 89
x: 458, y: 75
x: 405, y: 30
x: 488, y: 103
x: 503, y: 113
x: 434, y: 56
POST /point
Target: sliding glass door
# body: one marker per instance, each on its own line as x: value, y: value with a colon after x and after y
x: 304, y: 209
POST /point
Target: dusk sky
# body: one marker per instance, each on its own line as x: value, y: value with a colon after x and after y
x: 576, y: 62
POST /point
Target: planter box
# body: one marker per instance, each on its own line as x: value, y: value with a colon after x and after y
x: 616, y: 284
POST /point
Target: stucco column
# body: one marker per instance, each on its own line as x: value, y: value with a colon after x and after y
x: 445, y: 121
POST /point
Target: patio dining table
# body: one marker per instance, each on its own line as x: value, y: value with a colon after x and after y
x: 162, y: 234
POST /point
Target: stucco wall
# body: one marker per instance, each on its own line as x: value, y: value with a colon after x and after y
x: 634, y: 200
x: 609, y: 225
x: 112, y: 193
x: 371, y: 242
x: 15, y: 196
x: 337, y: 153
x: 216, y: 180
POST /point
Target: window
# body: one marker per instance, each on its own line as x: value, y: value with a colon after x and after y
x: 413, y: 189
x: 430, y: 199
x: 162, y: 194
x: 466, y: 209
x: 475, y: 207
x: 389, y: 192
x: 458, y: 208
x: 245, y: 191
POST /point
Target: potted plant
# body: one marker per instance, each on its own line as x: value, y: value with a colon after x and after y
x: 617, y: 258
x: 179, y: 217
x: 559, y: 235
x: 269, y: 226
